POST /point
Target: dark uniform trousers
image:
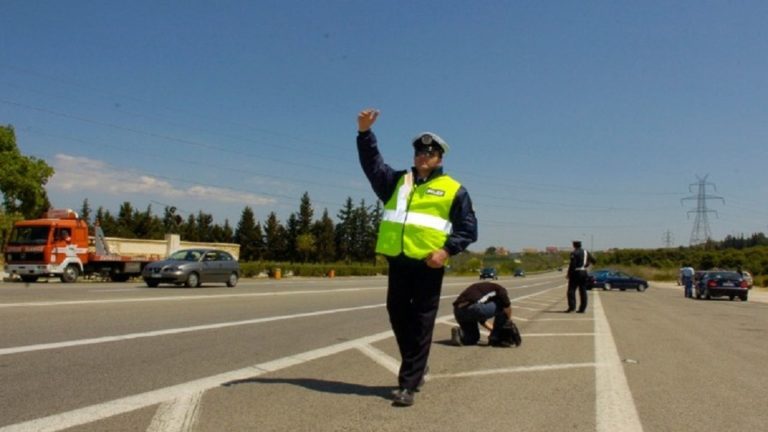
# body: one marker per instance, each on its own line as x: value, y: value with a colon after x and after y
x: 413, y: 297
x: 577, y: 280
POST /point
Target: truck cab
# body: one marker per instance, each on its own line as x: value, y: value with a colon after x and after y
x: 56, y: 244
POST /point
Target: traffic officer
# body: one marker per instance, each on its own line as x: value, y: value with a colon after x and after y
x: 578, y: 277
x: 427, y: 217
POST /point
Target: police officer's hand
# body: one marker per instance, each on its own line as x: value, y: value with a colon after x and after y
x: 366, y: 119
x: 436, y: 259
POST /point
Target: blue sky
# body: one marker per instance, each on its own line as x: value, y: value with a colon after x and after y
x: 566, y: 119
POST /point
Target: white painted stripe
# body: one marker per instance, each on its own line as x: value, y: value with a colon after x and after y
x: 105, y: 339
x: 177, y: 415
x: 615, y: 409
x: 515, y: 370
x: 388, y: 362
x: 185, y: 297
x: 58, y: 422
x: 557, y: 334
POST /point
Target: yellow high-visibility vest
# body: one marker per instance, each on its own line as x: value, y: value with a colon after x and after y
x: 416, y: 219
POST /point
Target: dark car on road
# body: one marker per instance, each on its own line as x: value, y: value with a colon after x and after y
x: 192, y: 268
x: 488, y: 273
x: 722, y: 284
x: 519, y: 272
x: 608, y: 279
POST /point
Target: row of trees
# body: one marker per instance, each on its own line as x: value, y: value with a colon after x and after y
x: 302, y: 238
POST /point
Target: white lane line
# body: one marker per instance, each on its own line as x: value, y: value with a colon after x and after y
x: 58, y: 422
x: 615, y: 409
x: 387, y: 361
x: 177, y: 415
x: 557, y: 334
x: 105, y: 339
x: 183, y: 297
x: 515, y: 370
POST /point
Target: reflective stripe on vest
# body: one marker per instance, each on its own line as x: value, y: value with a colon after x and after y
x: 415, y: 220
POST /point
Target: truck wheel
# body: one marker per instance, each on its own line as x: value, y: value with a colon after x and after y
x: 232, y: 281
x: 28, y: 279
x: 193, y: 280
x: 71, y: 273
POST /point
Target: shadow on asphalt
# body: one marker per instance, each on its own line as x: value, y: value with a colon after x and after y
x: 325, y: 386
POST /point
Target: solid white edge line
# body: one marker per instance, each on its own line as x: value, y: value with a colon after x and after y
x: 615, y: 409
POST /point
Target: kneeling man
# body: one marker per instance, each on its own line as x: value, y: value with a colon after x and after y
x: 477, y: 305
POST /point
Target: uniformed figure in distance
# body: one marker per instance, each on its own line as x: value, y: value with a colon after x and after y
x: 578, y: 277
x: 427, y: 217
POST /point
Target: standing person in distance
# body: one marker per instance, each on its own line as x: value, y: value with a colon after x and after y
x: 578, y: 277
x: 427, y: 217
x: 686, y: 275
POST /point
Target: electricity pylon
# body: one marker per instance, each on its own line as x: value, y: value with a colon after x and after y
x: 701, y: 233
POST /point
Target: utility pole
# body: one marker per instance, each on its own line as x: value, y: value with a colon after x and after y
x: 701, y: 233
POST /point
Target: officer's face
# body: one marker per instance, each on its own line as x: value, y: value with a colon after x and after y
x: 426, y: 159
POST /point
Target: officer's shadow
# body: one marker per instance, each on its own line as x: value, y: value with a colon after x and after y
x: 325, y: 386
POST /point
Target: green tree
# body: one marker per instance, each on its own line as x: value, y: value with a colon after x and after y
x: 22, y: 178
x: 249, y: 237
x: 326, y: 242
x: 204, y: 226
x: 275, y: 239
x: 125, y: 221
x: 291, y: 234
x: 306, y: 213
x: 305, y: 245
x: 189, y: 230
x: 344, y: 231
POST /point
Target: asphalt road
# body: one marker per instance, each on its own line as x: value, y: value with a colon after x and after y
x: 318, y: 355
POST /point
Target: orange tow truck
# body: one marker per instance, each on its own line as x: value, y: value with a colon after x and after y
x: 59, y: 245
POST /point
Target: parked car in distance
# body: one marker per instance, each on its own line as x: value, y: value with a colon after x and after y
x: 488, y: 273
x: 608, y: 279
x: 721, y: 284
x: 192, y: 268
x: 519, y: 272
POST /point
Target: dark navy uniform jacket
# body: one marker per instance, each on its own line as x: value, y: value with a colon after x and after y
x: 384, y: 180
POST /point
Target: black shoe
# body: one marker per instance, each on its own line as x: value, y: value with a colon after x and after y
x: 568, y: 311
x: 580, y: 311
x: 403, y: 398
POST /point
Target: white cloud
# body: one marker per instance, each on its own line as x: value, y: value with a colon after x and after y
x: 80, y: 174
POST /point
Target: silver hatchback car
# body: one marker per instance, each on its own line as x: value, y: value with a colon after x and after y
x: 192, y: 268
